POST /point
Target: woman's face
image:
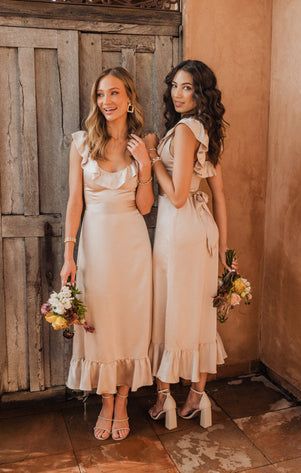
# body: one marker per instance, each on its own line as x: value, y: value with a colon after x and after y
x: 182, y: 91
x: 112, y: 99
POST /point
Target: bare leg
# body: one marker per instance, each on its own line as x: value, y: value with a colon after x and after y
x: 120, y: 429
x: 158, y: 406
x: 193, y: 399
x: 102, y: 429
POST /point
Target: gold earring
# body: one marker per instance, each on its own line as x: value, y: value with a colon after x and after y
x: 130, y: 108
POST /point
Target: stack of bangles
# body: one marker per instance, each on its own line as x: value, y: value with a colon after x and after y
x: 70, y: 238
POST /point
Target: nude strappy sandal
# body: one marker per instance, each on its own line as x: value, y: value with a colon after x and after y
x: 108, y: 431
x: 126, y: 429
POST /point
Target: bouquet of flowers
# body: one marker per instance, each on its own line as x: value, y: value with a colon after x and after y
x: 63, y: 309
x: 232, y: 289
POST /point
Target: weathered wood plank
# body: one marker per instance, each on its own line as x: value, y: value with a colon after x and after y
x: 46, y: 290
x: 176, y: 58
x: 92, y: 26
x: 128, y: 61
x: 16, y: 316
x: 141, y: 44
x: 3, y: 351
x: 144, y: 87
x: 69, y: 86
x: 19, y: 226
x: 29, y: 148
x: 27, y: 37
x: 57, y: 359
x: 49, y: 132
x: 89, y: 13
x: 10, y: 163
x: 68, y: 54
x: 90, y: 67
x: 111, y: 59
x: 161, y: 66
x: 34, y: 318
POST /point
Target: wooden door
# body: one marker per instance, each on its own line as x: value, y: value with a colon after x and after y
x: 45, y: 81
x: 39, y: 109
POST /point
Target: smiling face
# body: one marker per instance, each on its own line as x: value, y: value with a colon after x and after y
x: 112, y: 99
x: 182, y: 91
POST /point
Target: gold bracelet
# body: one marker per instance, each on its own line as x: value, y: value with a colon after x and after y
x: 155, y: 160
x: 151, y: 149
x: 145, y: 182
x: 70, y: 238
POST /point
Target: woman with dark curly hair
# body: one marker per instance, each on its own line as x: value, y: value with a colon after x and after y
x: 188, y: 241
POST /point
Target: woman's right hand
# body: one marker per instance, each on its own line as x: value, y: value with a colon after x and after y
x: 68, y: 269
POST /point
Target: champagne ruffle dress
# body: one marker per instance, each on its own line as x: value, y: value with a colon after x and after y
x: 185, y: 341
x: 114, y: 275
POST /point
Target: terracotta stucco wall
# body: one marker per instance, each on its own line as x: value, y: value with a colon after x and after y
x: 234, y: 38
x: 281, y: 296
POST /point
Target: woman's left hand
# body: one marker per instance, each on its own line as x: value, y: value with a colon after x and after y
x: 137, y: 148
x: 222, y: 258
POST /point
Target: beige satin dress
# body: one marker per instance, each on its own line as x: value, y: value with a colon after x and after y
x: 185, y: 341
x: 114, y: 275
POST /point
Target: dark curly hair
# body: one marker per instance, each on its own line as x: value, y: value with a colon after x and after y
x: 209, y: 108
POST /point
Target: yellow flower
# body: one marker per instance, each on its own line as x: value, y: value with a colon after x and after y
x: 60, y: 323
x: 50, y: 317
x: 239, y: 286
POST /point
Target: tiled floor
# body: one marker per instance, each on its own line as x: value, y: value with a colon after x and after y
x: 256, y: 429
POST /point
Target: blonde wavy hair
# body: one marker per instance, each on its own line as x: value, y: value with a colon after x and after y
x: 96, y: 124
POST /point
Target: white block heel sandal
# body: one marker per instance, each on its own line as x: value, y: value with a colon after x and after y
x: 169, y: 410
x: 204, y: 410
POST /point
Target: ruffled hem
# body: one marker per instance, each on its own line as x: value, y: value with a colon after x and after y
x: 171, y: 365
x: 86, y: 375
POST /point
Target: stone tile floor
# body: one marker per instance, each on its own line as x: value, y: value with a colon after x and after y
x: 256, y: 429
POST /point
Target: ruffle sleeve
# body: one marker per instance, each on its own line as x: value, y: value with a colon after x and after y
x: 202, y: 167
x: 79, y: 138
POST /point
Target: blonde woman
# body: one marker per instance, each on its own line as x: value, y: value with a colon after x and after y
x: 110, y: 174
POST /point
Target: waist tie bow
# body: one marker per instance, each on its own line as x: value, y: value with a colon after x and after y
x: 200, y: 201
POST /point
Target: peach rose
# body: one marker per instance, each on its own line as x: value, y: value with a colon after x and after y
x: 235, y: 299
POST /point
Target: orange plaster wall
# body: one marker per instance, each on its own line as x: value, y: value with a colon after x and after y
x: 234, y: 38
x: 281, y: 296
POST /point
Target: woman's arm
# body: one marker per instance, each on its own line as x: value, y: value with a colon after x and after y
x: 219, y: 211
x: 73, y: 214
x: 144, y: 193
x: 177, y: 187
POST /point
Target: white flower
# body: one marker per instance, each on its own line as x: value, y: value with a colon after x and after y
x: 59, y: 308
x: 65, y: 292
x: 53, y: 299
x: 66, y: 303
